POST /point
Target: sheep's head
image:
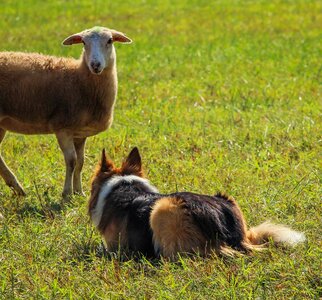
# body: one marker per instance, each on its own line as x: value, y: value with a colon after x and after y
x: 98, y: 46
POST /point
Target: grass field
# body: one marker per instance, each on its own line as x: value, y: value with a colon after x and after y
x: 218, y: 95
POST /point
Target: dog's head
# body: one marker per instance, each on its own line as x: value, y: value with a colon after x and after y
x: 106, y: 169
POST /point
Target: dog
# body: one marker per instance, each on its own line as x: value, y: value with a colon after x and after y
x: 131, y: 215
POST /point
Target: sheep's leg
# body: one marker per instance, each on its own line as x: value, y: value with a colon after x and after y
x: 7, y: 175
x: 77, y: 180
x: 66, y: 143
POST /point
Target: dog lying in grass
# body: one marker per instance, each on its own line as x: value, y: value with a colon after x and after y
x: 132, y: 215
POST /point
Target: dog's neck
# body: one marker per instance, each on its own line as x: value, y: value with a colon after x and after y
x: 126, y: 185
x: 130, y: 181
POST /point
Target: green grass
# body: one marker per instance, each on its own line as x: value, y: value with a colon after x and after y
x: 217, y: 96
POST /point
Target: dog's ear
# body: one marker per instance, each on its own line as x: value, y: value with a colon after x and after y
x: 133, y: 164
x: 105, y: 164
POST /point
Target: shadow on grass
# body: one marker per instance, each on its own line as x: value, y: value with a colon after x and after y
x: 46, y: 211
x: 47, y: 206
x: 87, y: 250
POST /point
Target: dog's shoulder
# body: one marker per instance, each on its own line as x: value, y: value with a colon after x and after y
x: 144, y: 201
x: 195, y: 201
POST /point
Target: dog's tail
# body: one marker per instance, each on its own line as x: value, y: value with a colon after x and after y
x: 279, y: 234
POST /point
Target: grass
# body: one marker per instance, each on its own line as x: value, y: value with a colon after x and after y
x: 220, y: 95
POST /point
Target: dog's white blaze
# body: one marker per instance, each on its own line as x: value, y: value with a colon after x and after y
x: 107, y: 187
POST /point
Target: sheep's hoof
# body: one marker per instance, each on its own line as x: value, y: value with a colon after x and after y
x: 66, y: 196
x: 79, y: 193
x: 18, y: 190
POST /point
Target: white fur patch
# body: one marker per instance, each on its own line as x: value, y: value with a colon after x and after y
x: 280, y: 233
x: 290, y: 236
x: 107, y: 188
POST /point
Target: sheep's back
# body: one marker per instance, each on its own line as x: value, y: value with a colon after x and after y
x: 33, y: 81
x: 48, y: 91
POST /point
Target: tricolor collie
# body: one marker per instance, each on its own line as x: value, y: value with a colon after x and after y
x: 132, y: 215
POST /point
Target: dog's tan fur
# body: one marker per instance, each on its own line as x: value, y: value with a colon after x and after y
x: 115, y: 235
x: 173, y: 229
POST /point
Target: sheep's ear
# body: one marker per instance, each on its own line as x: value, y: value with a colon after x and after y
x: 120, y: 37
x: 105, y: 164
x: 73, y: 39
x: 133, y: 163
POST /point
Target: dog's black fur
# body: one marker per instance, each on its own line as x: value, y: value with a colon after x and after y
x: 213, y: 215
x: 130, y: 202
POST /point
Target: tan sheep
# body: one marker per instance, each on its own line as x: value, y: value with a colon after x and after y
x: 73, y: 99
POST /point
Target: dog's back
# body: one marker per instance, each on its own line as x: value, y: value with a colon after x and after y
x: 188, y: 222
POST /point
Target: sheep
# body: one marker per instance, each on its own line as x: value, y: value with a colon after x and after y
x: 73, y: 99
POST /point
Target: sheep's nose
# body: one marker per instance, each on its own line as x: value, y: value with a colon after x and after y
x: 96, y: 66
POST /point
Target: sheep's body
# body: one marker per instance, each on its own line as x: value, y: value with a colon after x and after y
x: 73, y: 99
x: 42, y: 94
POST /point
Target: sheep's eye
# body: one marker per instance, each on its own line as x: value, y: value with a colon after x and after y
x: 109, y: 41
x: 84, y: 43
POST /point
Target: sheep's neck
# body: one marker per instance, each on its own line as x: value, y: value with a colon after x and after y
x: 106, y: 82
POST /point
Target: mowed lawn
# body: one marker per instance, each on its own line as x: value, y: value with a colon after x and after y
x: 218, y: 96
